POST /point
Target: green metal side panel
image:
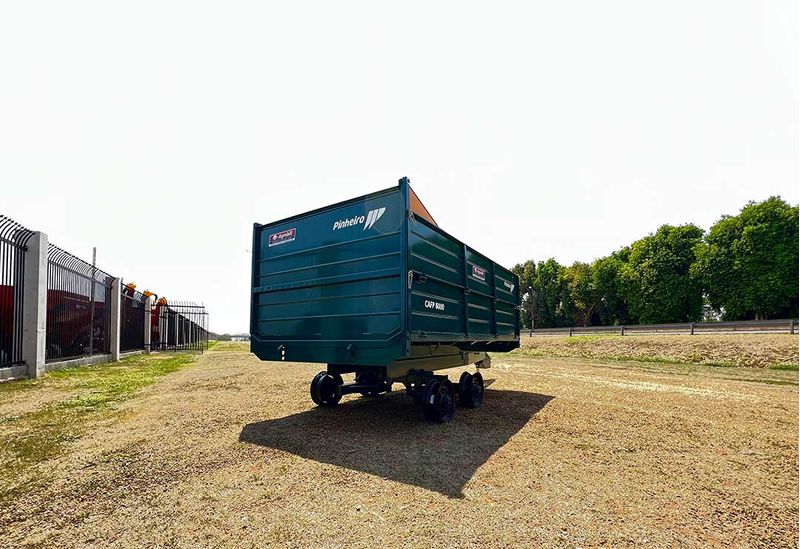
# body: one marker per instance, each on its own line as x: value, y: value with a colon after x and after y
x: 329, y: 285
x: 458, y: 295
x: 364, y: 283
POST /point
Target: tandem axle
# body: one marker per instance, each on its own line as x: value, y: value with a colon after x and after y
x: 434, y: 393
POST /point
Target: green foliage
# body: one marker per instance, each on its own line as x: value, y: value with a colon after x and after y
x: 526, y: 272
x: 611, y: 305
x: 545, y: 288
x: 657, y: 279
x: 745, y: 267
x: 582, y: 290
x: 550, y: 289
x: 748, y: 262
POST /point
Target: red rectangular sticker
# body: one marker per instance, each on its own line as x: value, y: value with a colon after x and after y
x: 479, y: 273
x: 282, y: 237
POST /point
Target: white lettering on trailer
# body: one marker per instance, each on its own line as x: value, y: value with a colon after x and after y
x: 357, y: 220
x: 368, y: 221
x: 434, y: 305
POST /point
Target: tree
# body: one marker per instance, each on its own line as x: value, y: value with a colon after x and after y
x: 549, y: 289
x: 526, y: 273
x: 749, y: 262
x: 581, y: 291
x: 659, y: 283
x: 611, y: 305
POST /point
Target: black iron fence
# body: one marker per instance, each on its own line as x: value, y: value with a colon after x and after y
x: 131, y: 320
x: 179, y: 326
x: 78, y: 307
x: 13, y: 245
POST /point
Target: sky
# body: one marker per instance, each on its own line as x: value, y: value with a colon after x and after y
x: 160, y: 131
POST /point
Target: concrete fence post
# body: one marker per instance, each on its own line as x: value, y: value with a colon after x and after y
x: 691, y: 328
x: 622, y: 330
x: 570, y: 332
x: 791, y: 326
x: 148, y: 316
x: 34, y: 308
x: 116, y: 320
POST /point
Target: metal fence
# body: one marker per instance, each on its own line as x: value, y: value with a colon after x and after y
x: 13, y: 245
x: 179, y: 326
x: 786, y: 326
x: 78, y: 307
x: 131, y: 321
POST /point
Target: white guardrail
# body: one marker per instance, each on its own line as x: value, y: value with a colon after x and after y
x: 782, y: 326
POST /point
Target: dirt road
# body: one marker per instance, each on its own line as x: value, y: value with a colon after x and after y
x: 569, y: 452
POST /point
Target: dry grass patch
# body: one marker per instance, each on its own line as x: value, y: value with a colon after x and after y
x: 40, y: 418
x: 779, y: 351
x: 564, y: 452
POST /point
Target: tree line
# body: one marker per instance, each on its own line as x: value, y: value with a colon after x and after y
x: 745, y: 267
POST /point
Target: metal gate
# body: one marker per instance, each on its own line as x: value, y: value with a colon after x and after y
x: 78, y: 307
x: 131, y: 320
x: 13, y: 245
x: 179, y: 326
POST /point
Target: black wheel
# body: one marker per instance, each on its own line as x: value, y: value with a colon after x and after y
x: 439, y: 405
x: 470, y: 390
x: 326, y: 389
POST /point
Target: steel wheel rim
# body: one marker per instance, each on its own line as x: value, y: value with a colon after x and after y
x: 477, y: 392
x: 444, y: 404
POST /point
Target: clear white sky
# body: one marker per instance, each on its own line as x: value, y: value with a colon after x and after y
x: 159, y: 132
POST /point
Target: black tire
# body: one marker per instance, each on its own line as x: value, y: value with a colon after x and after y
x: 470, y: 390
x: 439, y: 405
x: 326, y: 389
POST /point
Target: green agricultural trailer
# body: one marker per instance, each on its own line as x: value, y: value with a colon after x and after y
x: 373, y: 287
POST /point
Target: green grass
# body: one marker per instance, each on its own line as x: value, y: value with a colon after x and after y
x: 11, y: 387
x: 790, y: 367
x: 231, y: 346
x: 34, y: 437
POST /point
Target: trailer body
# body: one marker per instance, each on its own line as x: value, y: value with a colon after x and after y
x: 373, y: 284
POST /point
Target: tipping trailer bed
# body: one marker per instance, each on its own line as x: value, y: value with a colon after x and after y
x: 373, y: 286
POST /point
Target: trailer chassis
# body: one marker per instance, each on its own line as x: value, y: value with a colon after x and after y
x: 434, y: 393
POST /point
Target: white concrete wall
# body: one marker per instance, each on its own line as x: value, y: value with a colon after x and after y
x: 148, y: 317
x: 34, y: 307
x: 116, y: 310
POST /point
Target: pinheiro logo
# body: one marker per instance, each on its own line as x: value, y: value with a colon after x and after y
x: 373, y: 216
x: 368, y: 220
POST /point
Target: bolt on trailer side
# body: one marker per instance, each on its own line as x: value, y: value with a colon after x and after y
x: 373, y: 286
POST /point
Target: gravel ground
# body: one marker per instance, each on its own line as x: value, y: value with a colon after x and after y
x: 564, y: 452
x: 747, y: 350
